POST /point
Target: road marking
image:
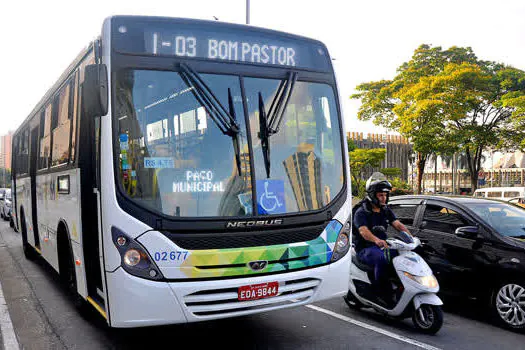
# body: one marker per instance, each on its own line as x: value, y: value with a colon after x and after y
x: 374, y: 328
x: 8, y: 333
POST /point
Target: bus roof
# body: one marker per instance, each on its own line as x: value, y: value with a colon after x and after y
x: 56, y: 85
x: 216, y: 24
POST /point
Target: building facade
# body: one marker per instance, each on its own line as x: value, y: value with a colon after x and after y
x: 398, y: 151
x: 498, y: 170
x: 5, y: 150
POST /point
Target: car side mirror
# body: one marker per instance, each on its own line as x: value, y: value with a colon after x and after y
x: 95, y: 90
x: 467, y: 231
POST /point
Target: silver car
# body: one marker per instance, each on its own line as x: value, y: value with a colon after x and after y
x: 5, y: 205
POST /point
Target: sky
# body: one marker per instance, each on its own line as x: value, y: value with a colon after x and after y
x: 368, y: 40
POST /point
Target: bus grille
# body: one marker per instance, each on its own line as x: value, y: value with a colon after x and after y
x: 224, y: 302
x: 196, y: 241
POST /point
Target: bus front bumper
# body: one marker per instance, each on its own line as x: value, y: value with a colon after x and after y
x: 137, y: 302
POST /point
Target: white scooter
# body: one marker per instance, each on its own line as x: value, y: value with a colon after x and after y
x: 414, y: 287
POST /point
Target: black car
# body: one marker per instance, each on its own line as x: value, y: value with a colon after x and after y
x: 475, y: 247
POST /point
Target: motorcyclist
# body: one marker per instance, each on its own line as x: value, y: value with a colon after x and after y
x: 370, y: 243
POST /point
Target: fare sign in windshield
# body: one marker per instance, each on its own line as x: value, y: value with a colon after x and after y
x: 216, y: 41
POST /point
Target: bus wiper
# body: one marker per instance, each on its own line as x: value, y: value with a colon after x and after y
x: 269, y: 124
x: 264, y: 135
x: 225, y: 120
x: 235, y: 137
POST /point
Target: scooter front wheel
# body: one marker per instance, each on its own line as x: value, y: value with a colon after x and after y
x: 352, y: 301
x: 428, y: 318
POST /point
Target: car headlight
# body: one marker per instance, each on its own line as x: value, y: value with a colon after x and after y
x: 429, y: 281
x: 342, y: 244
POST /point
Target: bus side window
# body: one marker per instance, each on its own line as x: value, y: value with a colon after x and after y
x: 74, y: 114
x: 45, y: 137
x: 62, y: 128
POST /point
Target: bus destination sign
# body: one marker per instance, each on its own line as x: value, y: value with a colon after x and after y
x: 218, y: 42
x: 217, y: 49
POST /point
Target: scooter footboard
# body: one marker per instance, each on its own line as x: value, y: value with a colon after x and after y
x: 427, y: 298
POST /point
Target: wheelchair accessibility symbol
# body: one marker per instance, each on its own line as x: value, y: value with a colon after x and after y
x: 270, y: 196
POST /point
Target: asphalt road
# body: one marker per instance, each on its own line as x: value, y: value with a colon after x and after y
x: 43, y: 318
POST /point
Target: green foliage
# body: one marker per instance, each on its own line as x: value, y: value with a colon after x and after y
x: 351, y: 145
x: 360, y: 159
x: 446, y: 101
x: 392, y: 172
x: 5, y: 178
x: 359, y: 190
x: 399, y: 187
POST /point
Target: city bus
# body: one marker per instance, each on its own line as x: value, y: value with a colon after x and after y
x: 185, y: 170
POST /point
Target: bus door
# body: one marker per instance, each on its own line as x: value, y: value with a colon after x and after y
x: 88, y: 164
x: 32, y: 175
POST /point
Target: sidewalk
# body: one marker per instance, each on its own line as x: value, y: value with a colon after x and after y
x: 23, y: 323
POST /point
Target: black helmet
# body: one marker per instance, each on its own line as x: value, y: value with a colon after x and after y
x: 377, y: 183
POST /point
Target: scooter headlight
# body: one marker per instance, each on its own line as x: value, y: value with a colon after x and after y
x: 429, y: 281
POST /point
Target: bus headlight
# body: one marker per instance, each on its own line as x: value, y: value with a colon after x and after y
x: 134, y: 258
x: 342, y: 244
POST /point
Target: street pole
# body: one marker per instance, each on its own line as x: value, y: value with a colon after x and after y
x: 386, y: 149
x: 435, y: 174
x: 247, y: 11
x: 454, y: 174
x: 492, y: 175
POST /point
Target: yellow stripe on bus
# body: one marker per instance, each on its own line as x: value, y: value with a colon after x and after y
x: 96, y: 306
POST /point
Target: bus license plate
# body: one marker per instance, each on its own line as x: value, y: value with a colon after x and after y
x: 258, y: 291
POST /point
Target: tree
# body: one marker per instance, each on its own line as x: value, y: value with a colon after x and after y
x: 360, y: 159
x: 5, y: 177
x: 446, y: 101
x: 392, y: 172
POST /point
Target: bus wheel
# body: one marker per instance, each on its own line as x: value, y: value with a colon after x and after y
x: 29, y: 252
x: 67, y: 271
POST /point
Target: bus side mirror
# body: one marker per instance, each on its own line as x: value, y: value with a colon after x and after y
x: 95, y: 90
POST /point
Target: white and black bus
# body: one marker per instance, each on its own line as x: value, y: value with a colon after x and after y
x: 185, y: 170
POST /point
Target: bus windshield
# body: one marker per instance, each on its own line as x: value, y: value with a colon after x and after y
x: 175, y: 157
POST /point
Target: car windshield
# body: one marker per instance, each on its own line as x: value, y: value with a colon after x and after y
x: 8, y: 194
x: 175, y: 157
x: 506, y: 219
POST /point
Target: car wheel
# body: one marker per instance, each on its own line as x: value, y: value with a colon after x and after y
x: 508, y: 305
x: 11, y: 222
